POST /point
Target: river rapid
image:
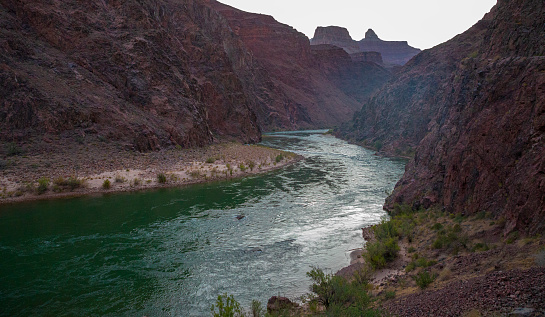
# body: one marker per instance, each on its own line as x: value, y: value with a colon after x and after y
x: 172, y: 251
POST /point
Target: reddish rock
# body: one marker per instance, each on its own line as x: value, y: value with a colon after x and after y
x: 473, y: 111
x: 299, y: 87
x: 149, y: 74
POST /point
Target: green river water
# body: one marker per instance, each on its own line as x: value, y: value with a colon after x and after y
x: 171, y: 252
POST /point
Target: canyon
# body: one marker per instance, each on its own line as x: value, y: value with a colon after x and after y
x: 153, y: 75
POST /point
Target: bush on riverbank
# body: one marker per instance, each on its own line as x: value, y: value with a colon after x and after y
x: 339, y: 296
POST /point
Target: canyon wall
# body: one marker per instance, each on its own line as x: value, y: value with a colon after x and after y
x: 471, y: 114
x: 145, y: 74
x: 303, y: 90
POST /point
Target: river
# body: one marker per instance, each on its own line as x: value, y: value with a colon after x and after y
x: 172, y: 251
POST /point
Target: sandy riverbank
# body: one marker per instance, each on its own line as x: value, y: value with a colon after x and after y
x: 81, y: 170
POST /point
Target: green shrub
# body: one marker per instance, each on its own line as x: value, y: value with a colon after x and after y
x: 279, y: 158
x: 437, y: 226
x: 70, y: 183
x: 136, y: 182
x: 211, y: 160
x: 242, y: 167
x: 106, y: 184
x: 257, y: 309
x: 161, y: 178
x: 251, y: 165
x: 411, y: 249
x: 43, y: 183
x: 379, y: 253
x: 424, y: 279
x: 339, y: 296
x: 226, y: 306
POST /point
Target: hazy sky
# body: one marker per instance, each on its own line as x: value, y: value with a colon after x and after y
x: 423, y: 23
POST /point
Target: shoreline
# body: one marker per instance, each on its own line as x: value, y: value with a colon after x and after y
x: 165, y: 169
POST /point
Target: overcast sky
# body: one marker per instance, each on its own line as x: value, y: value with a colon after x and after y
x: 423, y: 23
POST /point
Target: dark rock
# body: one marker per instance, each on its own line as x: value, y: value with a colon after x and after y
x: 277, y: 303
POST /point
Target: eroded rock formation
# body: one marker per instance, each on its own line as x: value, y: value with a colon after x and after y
x: 472, y: 111
x: 391, y: 52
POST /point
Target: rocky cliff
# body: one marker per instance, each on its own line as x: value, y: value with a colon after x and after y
x: 471, y: 113
x: 297, y: 87
x: 145, y: 74
x: 391, y: 52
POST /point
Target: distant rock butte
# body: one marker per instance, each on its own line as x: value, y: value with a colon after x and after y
x: 392, y: 52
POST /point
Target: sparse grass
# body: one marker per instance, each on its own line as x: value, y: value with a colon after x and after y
x: 161, y: 178
x: 211, y: 160
x: 136, y: 182
x: 195, y: 174
x: 120, y: 179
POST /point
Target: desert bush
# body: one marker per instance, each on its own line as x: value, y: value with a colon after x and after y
x: 136, y: 182
x: 195, y: 174
x: 71, y: 183
x: 43, y: 184
x: 242, y: 167
x: 339, y: 296
x: 279, y: 158
x: 161, y: 178
x: 106, y: 184
x: 424, y: 279
x: 211, y: 160
x: 257, y: 309
x: 251, y: 165
x: 226, y: 306
x: 379, y: 253
x: 120, y: 179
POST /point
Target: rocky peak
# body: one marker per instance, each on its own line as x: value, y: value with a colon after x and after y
x: 371, y: 35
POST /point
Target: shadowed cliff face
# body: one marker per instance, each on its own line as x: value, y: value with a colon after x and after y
x: 299, y: 87
x: 145, y: 74
x: 473, y: 112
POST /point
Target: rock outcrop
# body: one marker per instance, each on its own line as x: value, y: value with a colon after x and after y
x: 146, y: 74
x: 299, y: 87
x: 335, y: 35
x: 391, y: 52
x: 471, y: 113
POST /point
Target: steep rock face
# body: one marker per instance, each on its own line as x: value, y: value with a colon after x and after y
x: 297, y: 91
x: 391, y: 52
x: 474, y: 110
x: 358, y: 79
x: 146, y: 74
